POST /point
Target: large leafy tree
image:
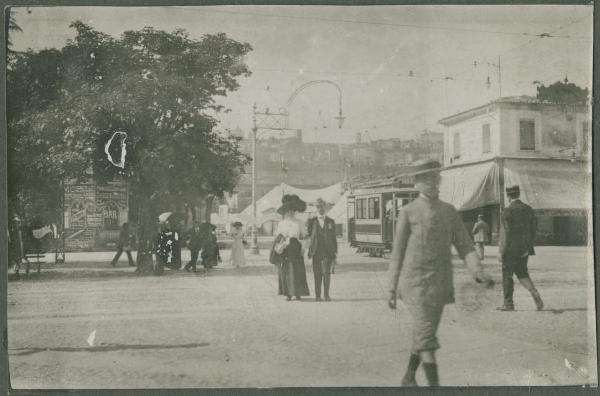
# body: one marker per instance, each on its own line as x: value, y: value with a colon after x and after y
x: 159, y: 88
x: 563, y: 92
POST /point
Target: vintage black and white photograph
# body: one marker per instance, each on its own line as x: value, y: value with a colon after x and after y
x: 274, y: 196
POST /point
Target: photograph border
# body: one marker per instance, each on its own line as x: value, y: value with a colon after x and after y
x: 501, y: 390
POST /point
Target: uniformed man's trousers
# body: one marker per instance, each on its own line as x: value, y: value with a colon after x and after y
x: 426, y: 320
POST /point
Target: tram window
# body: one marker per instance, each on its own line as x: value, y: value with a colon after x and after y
x: 373, y: 208
x: 361, y: 209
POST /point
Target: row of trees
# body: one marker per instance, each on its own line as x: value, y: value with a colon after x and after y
x: 158, y: 87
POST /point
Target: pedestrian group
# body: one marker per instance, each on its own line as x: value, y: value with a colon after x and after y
x: 420, y: 271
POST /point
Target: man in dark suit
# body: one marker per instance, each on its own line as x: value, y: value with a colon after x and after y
x: 195, y: 242
x: 322, y: 249
x: 517, y: 236
x: 124, y: 244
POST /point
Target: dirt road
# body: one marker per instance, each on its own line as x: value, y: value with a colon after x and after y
x: 87, y: 325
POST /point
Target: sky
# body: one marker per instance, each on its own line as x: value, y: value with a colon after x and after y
x: 400, y: 68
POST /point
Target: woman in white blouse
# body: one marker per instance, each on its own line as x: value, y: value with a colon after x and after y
x: 287, y: 252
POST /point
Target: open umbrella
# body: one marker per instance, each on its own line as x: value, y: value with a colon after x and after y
x: 163, y: 217
x: 171, y: 217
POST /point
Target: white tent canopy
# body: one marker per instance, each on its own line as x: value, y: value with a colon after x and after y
x: 339, y: 212
x: 271, y: 201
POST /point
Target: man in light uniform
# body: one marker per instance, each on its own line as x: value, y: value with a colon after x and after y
x: 421, y: 265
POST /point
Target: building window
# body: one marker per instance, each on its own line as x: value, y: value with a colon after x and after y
x: 585, y: 136
x: 456, y: 146
x: 527, y: 134
x: 485, y: 139
x: 373, y: 208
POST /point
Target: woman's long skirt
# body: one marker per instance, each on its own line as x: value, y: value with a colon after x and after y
x: 292, y: 277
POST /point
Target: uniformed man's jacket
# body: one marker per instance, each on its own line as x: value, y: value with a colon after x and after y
x: 421, y: 262
x: 517, y: 234
x: 481, y: 232
x: 329, y: 237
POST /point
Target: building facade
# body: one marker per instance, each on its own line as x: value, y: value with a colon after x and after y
x: 542, y: 147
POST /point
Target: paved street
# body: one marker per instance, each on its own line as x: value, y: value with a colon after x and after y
x: 88, y: 325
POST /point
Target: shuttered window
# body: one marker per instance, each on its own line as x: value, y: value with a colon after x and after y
x: 485, y: 139
x: 527, y: 134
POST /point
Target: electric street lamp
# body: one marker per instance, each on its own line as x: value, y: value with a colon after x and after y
x: 278, y: 122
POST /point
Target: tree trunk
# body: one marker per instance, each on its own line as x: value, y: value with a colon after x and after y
x: 146, y: 236
x: 208, y: 208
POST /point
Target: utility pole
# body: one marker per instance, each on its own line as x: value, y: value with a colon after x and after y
x: 254, y: 244
x: 499, y: 78
x: 498, y: 67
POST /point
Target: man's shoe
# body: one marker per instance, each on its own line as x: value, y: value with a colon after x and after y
x: 409, y: 381
x: 506, y: 308
x: 317, y: 298
x: 327, y: 298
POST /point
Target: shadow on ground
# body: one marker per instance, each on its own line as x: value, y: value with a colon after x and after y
x: 105, y: 348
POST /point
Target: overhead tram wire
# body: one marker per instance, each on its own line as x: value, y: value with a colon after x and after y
x: 333, y: 73
x: 487, y: 60
x: 390, y: 24
x: 538, y: 37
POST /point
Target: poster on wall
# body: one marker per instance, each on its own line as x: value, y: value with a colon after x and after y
x: 93, y: 214
x: 80, y: 240
x: 558, y: 130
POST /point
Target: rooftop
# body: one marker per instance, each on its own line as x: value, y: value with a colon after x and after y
x: 522, y: 99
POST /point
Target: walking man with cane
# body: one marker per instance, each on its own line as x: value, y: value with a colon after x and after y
x: 421, y: 264
x: 517, y: 236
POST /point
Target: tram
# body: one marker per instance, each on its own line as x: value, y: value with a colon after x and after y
x: 372, y: 214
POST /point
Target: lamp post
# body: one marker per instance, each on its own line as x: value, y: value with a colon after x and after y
x: 278, y: 122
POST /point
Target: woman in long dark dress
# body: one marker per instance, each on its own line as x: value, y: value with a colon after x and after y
x: 287, y: 251
x: 211, y: 255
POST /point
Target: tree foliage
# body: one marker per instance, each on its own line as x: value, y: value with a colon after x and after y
x: 159, y: 88
x: 563, y: 92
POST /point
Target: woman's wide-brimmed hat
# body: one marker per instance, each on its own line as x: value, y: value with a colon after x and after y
x: 291, y: 202
x: 237, y: 224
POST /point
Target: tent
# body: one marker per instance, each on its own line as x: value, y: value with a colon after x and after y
x: 339, y: 212
x: 267, y: 205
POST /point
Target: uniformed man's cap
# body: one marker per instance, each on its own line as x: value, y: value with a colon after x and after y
x: 425, y: 166
x: 513, y: 190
